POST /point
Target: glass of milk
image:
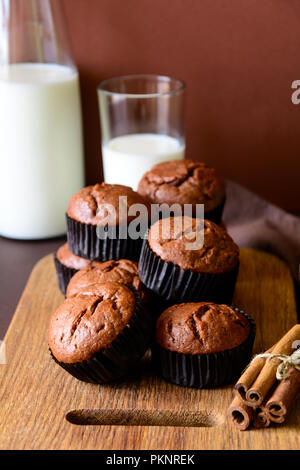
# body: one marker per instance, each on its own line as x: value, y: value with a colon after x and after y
x: 142, y: 123
x: 41, y: 152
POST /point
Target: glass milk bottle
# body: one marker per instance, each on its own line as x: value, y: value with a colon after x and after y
x: 41, y: 151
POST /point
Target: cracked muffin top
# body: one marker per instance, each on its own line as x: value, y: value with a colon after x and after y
x: 67, y: 258
x: 183, y: 182
x: 201, y: 328
x: 170, y: 240
x: 91, y: 205
x: 123, y: 270
x: 85, y: 324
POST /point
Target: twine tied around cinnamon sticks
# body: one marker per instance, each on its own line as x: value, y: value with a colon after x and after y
x: 267, y: 389
x: 286, y: 362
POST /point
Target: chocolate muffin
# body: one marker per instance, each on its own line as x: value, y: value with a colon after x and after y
x: 185, y: 182
x: 124, y: 271
x: 98, y: 338
x: 203, y: 344
x: 97, y: 222
x: 169, y: 267
x: 67, y: 264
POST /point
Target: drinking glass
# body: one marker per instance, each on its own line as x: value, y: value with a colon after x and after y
x: 142, y: 123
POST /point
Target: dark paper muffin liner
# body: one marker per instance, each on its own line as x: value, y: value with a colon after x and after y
x: 64, y: 274
x: 84, y: 242
x: 158, y: 304
x: 174, y: 284
x: 121, y: 356
x: 216, y: 214
x: 204, y: 370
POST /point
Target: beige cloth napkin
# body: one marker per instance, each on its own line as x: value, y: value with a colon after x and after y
x: 254, y: 222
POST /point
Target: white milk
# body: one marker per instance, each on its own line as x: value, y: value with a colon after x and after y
x: 127, y: 158
x: 41, y: 158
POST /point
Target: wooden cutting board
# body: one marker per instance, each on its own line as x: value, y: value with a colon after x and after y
x: 43, y: 407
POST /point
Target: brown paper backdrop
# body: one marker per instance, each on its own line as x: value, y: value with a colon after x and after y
x: 238, y: 58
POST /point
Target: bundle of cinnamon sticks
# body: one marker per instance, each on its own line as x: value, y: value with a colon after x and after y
x: 259, y: 397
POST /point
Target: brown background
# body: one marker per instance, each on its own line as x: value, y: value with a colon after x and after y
x: 238, y: 57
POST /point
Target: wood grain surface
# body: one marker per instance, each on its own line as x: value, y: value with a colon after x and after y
x: 43, y: 407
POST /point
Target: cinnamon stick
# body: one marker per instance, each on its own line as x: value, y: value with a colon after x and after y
x: 240, y: 414
x: 281, y: 402
x: 249, y: 376
x: 261, y: 418
x: 267, y: 377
